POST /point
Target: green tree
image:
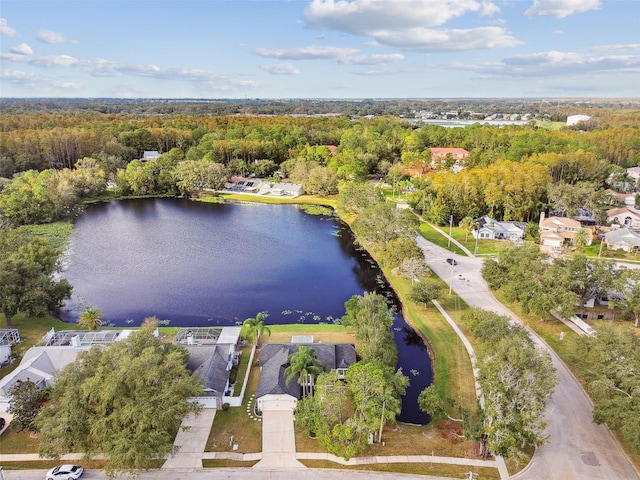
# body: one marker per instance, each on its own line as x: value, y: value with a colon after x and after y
x: 467, y: 224
x: 431, y: 403
x: 628, y: 284
x: 424, y: 291
x: 24, y: 405
x: 253, y: 327
x: 321, y: 181
x: 90, y: 318
x: 371, y: 319
x: 27, y: 282
x: 413, y: 268
x: 612, y: 360
x: 376, y: 390
x: 304, y: 366
x: 125, y: 401
x: 399, y: 249
x: 516, y: 380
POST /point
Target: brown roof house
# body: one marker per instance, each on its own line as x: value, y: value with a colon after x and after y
x: 626, y: 216
x: 556, y: 232
x: 273, y: 392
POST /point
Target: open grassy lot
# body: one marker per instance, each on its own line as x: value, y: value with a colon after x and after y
x: 427, y: 469
x: 303, y: 199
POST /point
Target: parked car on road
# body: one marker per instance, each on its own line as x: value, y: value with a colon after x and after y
x: 451, y: 261
x: 65, y: 472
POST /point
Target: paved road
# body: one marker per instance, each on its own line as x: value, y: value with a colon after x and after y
x: 577, y: 448
x: 236, y: 474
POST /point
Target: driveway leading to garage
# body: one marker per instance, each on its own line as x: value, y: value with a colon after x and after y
x: 192, y: 441
x: 278, y: 441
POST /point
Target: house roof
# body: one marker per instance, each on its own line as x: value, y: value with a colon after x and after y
x: 274, y: 358
x: 500, y: 227
x: 39, y: 364
x: 614, y: 212
x: 559, y: 222
x: 442, y: 152
x: 211, y: 363
x: 623, y: 236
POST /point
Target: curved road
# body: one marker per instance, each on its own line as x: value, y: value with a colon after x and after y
x: 577, y: 448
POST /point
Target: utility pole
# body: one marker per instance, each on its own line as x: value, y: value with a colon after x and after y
x: 450, y: 228
x: 453, y: 262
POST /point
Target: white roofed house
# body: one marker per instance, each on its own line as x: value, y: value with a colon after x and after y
x: 489, y: 228
x: 150, y: 156
x: 623, y: 239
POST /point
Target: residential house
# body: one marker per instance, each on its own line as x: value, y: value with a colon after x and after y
x: 40, y: 364
x: 627, y: 216
x: 212, y: 357
x: 255, y: 186
x: 555, y: 232
x: 455, y: 153
x: 273, y: 392
x: 150, y: 156
x: 8, y: 338
x: 634, y: 174
x: 489, y: 228
x: 623, y: 239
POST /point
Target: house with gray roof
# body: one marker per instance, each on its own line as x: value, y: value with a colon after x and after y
x: 623, y: 239
x: 272, y: 387
x: 491, y: 229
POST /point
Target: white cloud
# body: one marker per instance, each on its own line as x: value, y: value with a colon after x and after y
x: 409, y: 24
x: 364, y: 17
x: 376, y: 59
x: 561, y: 8
x: 49, y: 36
x: 47, y: 61
x: 22, y: 49
x: 312, y: 52
x: 554, y: 63
x: 36, y: 82
x: 618, y: 47
x: 108, y: 68
x: 6, y: 30
x: 280, y: 69
x: 433, y: 40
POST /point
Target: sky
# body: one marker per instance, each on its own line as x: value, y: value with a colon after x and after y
x: 308, y: 49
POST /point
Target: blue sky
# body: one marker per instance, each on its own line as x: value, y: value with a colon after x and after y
x: 320, y: 48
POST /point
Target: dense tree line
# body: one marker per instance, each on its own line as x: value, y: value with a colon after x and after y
x: 512, y: 172
x: 540, y: 284
x: 612, y: 361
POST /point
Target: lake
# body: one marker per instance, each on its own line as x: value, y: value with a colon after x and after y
x: 202, y: 264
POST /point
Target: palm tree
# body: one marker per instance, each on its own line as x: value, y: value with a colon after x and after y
x: 90, y: 318
x: 305, y: 365
x: 254, y: 327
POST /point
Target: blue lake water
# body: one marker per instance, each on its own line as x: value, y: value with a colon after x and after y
x: 201, y: 264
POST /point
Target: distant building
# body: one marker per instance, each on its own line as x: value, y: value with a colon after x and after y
x: 575, y: 119
x: 441, y: 153
x: 150, y: 156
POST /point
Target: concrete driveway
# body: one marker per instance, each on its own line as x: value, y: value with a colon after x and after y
x: 577, y: 448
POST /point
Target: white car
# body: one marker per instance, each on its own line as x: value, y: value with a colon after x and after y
x: 65, y: 472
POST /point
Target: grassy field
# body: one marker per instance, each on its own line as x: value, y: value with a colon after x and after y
x: 303, y: 199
